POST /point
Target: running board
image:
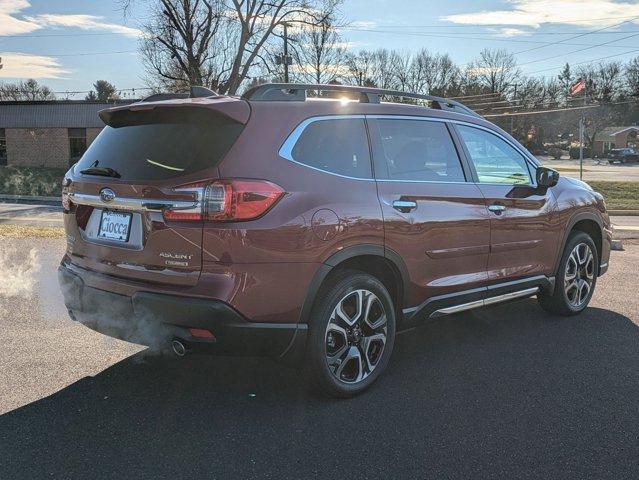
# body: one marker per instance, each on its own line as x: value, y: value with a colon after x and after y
x: 484, y: 302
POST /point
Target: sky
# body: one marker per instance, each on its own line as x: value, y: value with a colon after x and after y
x: 68, y: 44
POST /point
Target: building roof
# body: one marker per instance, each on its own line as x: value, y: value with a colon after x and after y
x: 54, y: 114
x: 608, y: 133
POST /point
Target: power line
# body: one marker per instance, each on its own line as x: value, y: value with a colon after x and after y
x: 579, y: 36
x: 466, y: 25
x: 537, y: 112
x: 586, y: 61
x: 577, y: 51
x: 490, y: 38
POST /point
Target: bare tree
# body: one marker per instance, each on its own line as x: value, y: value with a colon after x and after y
x: 29, y: 90
x: 319, y: 51
x: 604, y: 81
x: 496, y: 70
x: 632, y: 76
x: 218, y: 43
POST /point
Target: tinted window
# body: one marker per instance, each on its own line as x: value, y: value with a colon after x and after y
x: 494, y: 159
x: 337, y: 146
x: 416, y: 150
x: 149, y: 148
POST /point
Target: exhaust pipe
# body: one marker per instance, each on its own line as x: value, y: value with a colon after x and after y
x: 178, y: 348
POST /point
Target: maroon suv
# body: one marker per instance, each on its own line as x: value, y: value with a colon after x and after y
x: 315, y: 228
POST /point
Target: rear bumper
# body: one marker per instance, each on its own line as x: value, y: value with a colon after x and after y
x: 153, y: 319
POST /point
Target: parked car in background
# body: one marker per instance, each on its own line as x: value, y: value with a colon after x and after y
x: 314, y: 229
x: 623, y: 155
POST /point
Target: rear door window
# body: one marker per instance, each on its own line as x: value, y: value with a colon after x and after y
x: 338, y: 146
x: 158, y: 147
x: 415, y: 150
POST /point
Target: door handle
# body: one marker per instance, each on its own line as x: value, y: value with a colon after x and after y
x: 496, y: 208
x: 404, y: 206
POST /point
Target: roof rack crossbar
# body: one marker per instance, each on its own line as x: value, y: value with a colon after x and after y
x: 297, y: 92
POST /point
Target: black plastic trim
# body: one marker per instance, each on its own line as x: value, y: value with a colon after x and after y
x: 416, y: 316
x: 171, y: 316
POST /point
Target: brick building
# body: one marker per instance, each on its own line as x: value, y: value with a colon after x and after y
x: 616, y: 137
x: 48, y: 133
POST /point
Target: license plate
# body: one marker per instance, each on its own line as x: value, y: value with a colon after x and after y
x: 115, y: 226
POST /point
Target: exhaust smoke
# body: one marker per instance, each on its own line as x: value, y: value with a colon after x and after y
x: 18, y: 273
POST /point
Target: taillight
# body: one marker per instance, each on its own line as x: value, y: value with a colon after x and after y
x: 228, y: 201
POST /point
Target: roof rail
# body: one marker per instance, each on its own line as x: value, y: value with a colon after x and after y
x: 195, y: 91
x: 296, y: 92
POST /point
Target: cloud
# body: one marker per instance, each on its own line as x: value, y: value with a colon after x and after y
x: 83, y: 22
x: 23, y: 65
x: 534, y: 13
x: 12, y: 22
x: 9, y: 24
x: 363, y: 24
x: 512, y: 32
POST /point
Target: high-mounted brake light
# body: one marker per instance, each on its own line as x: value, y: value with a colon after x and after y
x: 228, y: 201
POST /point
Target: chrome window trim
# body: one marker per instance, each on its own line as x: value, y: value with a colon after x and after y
x: 285, y: 151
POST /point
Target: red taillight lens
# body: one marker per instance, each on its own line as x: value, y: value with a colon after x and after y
x: 229, y: 201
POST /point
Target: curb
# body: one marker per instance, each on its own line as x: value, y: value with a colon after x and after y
x: 30, y: 199
x: 625, y: 213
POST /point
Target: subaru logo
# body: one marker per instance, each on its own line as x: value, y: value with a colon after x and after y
x: 107, y: 195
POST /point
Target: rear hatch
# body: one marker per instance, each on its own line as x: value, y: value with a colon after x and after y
x: 133, y: 203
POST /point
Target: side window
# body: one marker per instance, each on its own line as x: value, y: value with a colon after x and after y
x: 418, y: 150
x: 335, y: 145
x: 494, y: 159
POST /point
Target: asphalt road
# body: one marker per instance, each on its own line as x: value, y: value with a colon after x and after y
x: 599, y: 170
x: 505, y: 392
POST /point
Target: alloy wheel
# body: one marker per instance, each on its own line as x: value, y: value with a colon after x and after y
x: 579, y: 275
x: 355, y: 336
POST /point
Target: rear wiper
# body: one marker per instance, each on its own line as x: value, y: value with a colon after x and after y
x: 104, y: 172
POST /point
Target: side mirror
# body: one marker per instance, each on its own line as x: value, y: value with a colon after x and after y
x: 547, y: 177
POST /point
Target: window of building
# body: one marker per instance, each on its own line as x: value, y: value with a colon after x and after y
x: 417, y: 150
x: 495, y: 160
x: 338, y: 146
x: 77, y: 144
x: 3, y: 147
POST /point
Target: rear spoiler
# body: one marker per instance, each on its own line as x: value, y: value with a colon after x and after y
x: 233, y: 108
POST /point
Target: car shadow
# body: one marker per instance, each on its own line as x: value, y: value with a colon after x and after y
x: 509, y: 391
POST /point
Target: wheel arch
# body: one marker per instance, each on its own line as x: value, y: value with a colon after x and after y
x: 586, y: 222
x: 384, y: 264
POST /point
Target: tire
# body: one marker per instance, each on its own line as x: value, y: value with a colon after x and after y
x: 344, y: 358
x: 576, y: 278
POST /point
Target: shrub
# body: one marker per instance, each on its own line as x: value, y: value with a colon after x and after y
x: 36, y: 181
x: 555, y: 152
x: 574, y: 152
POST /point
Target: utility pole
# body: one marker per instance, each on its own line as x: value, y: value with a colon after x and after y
x: 285, y: 59
x: 512, y: 117
x: 582, y: 127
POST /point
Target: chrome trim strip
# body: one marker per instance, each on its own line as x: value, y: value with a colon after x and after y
x: 132, y: 204
x: 485, y: 302
x: 458, y: 308
x: 603, y: 265
x: 509, y: 296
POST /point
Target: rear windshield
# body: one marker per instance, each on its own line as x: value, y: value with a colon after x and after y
x: 157, y: 146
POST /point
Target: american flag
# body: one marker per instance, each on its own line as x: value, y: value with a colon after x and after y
x: 578, y: 87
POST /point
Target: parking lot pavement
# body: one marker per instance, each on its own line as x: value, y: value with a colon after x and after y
x: 35, y: 215
x: 505, y: 392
